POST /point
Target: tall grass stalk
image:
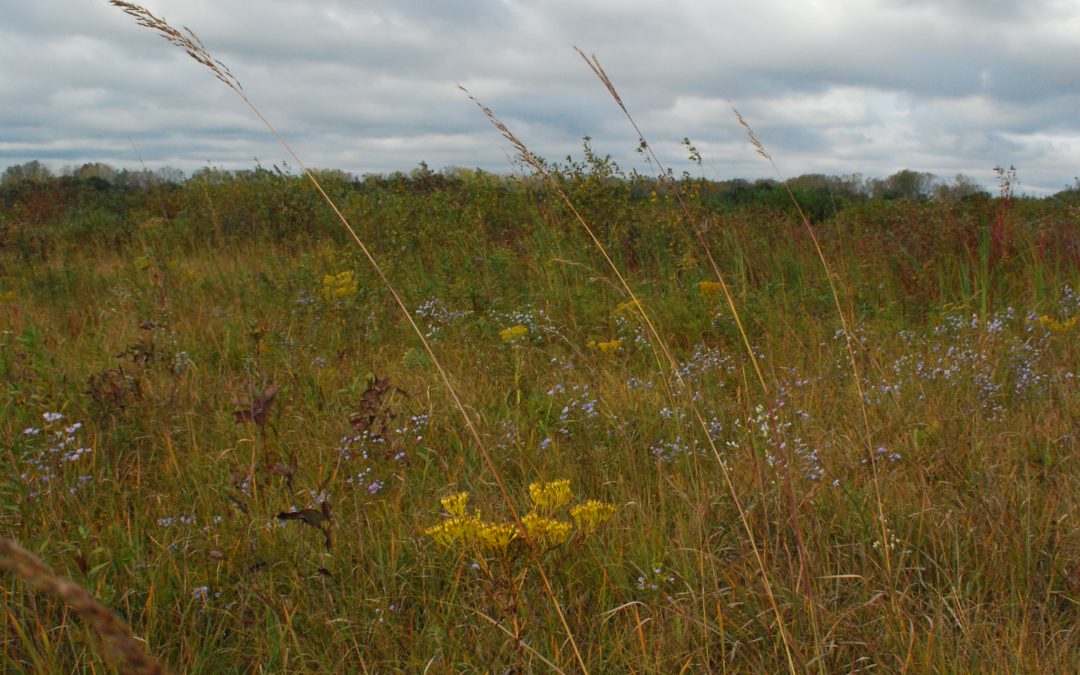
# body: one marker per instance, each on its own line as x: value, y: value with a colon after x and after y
x: 598, y: 70
x: 601, y: 73
x: 849, y: 342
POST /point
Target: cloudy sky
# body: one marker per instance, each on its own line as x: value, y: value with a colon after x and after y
x: 837, y: 86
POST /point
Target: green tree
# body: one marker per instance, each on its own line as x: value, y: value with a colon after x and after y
x: 95, y: 170
x: 28, y: 171
x: 904, y: 184
x: 960, y: 188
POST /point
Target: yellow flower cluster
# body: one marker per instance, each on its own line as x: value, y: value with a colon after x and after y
x: 495, y: 537
x: 513, y: 333
x: 339, y: 286
x: 547, y: 498
x: 609, y: 347
x: 457, y: 530
x: 456, y: 504
x: 545, y: 533
x: 629, y: 304
x: 1055, y: 326
x: 589, y: 516
x: 542, y: 529
x: 710, y: 289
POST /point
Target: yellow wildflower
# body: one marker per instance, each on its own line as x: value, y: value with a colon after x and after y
x: 513, y: 333
x: 590, y: 515
x: 7, y: 296
x: 457, y: 530
x: 339, y: 286
x: 545, y: 532
x: 629, y: 304
x: 456, y: 503
x: 495, y: 537
x: 610, y: 346
x: 710, y: 289
x: 548, y: 498
x: 1055, y: 326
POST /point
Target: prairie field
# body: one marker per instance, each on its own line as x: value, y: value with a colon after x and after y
x: 218, y: 421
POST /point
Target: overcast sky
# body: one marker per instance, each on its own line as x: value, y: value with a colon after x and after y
x: 836, y: 86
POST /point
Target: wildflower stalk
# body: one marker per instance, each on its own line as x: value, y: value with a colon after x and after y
x: 499, y: 547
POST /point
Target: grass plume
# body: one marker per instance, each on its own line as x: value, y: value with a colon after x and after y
x: 113, y: 631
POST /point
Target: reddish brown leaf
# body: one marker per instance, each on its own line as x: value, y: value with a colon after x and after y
x: 255, y: 411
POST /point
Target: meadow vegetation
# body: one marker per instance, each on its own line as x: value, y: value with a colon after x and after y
x: 758, y: 431
x: 216, y: 421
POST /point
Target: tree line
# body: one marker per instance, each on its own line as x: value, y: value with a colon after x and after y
x: 819, y: 195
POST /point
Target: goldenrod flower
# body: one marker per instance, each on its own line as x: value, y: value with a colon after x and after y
x: 456, y: 503
x: 590, y: 515
x: 610, y: 346
x: 540, y: 526
x: 605, y: 347
x: 495, y: 537
x: 513, y: 333
x: 460, y: 530
x: 339, y: 286
x: 548, y: 498
x: 629, y: 304
x: 1055, y: 326
x: 544, y: 532
x: 710, y: 289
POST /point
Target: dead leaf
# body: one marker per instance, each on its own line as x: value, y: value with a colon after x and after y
x: 319, y: 518
x: 312, y: 517
x: 256, y: 410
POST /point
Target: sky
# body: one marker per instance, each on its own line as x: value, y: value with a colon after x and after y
x: 835, y: 87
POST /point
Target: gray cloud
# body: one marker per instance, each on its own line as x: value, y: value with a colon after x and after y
x: 850, y: 86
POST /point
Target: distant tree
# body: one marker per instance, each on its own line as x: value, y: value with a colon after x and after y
x: 145, y: 178
x: 1071, y: 193
x: 851, y: 185
x: 94, y: 170
x: 960, y: 188
x: 29, y: 171
x: 135, y: 179
x: 168, y: 174
x: 333, y: 175
x: 421, y: 172
x: 460, y: 173
x: 820, y: 196
x: 904, y: 184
